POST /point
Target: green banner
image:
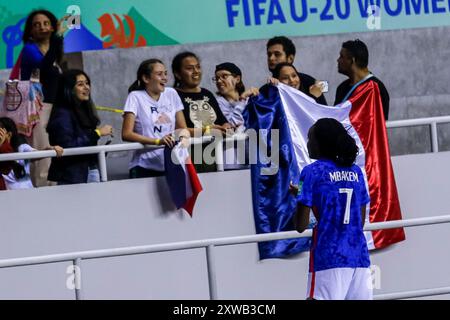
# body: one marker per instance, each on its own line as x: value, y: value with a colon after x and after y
x: 105, y: 24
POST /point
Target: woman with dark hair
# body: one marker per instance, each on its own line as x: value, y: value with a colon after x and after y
x: 43, y: 50
x: 335, y: 188
x: 5, y: 166
x: 73, y: 123
x: 232, y: 99
x: 286, y: 73
x: 19, y: 176
x: 232, y: 94
x: 40, y: 59
x: 201, y: 110
x: 152, y: 113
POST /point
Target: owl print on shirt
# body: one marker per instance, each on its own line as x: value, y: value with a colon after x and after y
x: 201, y: 112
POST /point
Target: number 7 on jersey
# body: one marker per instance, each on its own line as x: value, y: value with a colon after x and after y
x: 349, y: 193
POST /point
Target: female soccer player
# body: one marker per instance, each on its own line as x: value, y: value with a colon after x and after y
x: 335, y: 189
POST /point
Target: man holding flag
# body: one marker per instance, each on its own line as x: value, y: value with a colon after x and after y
x: 370, y: 109
x: 353, y: 62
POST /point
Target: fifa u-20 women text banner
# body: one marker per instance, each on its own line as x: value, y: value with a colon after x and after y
x: 103, y: 24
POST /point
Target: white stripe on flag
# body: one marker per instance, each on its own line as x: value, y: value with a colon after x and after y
x: 182, y: 155
x: 302, y: 112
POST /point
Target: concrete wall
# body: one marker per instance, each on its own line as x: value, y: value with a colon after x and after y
x: 138, y: 212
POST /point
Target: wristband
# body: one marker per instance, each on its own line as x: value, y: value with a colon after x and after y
x: 207, y: 129
x: 98, y: 132
x: 157, y: 142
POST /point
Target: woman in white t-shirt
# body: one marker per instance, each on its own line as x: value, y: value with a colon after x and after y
x: 152, y: 113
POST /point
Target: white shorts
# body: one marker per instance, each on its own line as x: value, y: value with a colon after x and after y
x: 340, y: 284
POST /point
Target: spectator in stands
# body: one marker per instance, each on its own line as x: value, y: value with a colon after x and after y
x: 201, y: 110
x: 282, y: 49
x: 286, y: 73
x: 232, y: 100
x: 232, y: 94
x: 19, y: 177
x: 41, y: 58
x: 5, y: 166
x: 152, y: 114
x: 73, y: 123
x: 353, y: 62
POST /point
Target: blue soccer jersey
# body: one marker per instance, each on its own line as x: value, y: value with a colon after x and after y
x: 336, y: 195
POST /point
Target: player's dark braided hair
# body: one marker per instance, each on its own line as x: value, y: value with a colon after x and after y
x: 334, y: 142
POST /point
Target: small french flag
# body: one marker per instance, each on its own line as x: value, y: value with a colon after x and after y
x: 181, y: 177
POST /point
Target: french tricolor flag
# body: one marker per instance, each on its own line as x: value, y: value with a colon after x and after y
x: 362, y: 115
x: 181, y: 177
x: 292, y: 113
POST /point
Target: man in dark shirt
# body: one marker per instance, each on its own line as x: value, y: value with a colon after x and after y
x: 282, y: 49
x: 353, y: 62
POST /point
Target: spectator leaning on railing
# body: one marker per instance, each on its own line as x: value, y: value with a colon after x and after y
x: 201, y: 110
x: 5, y: 147
x: 19, y: 176
x: 152, y: 113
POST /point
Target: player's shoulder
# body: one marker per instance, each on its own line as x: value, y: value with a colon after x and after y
x: 355, y: 168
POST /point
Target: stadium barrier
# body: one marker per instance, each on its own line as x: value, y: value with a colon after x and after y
x: 210, y: 245
x: 102, y: 150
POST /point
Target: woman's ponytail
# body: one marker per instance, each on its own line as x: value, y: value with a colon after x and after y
x: 135, y: 86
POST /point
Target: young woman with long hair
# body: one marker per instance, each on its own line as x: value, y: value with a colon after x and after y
x: 74, y: 123
x: 153, y: 113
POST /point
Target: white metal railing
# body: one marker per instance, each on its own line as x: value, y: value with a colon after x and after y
x: 413, y: 294
x: 209, y: 245
x: 102, y: 150
x: 432, y: 122
x: 218, y: 145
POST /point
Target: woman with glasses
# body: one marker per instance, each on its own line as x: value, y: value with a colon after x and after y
x: 232, y: 99
x: 232, y: 94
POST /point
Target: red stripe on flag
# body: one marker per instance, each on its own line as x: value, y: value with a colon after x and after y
x: 195, y: 185
x: 368, y: 120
